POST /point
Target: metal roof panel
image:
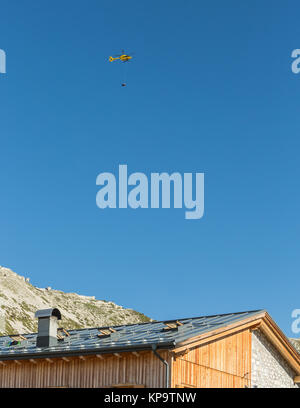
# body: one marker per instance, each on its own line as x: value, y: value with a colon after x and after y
x: 133, y: 335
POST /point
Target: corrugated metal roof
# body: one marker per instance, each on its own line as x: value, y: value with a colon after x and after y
x: 134, y: 336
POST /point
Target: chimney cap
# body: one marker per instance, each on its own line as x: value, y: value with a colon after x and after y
x: 48, y: 313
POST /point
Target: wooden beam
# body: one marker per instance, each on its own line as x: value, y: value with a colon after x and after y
x: 2, y: 363
x: 61, y: 329
x: 135, y: 354
x: 117, y: 355
x: 17, y: 362
x: 49, y: 360
x: 17, y: 337
x: 82, y: 358
x: 297, y: 379
x: 255, y: 328
x: 183, y: 385
x: 181, y: 353
x: 33, y: 361
x: 100, y: 356
x: 128, y: 385
x: 66, y: 359
x: 284, y: 340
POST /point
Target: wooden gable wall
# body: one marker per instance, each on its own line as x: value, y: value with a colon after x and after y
x: 222, y: 363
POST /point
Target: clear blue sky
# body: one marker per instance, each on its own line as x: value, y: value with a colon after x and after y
x: 210, y: 90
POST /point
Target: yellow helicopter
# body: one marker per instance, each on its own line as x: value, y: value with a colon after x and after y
x: 122, y: 57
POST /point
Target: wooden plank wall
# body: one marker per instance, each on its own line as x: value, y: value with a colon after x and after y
x: 224, y: 363
x: 92, y: 372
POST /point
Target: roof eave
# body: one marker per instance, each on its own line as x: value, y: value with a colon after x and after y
x: 85, y: 352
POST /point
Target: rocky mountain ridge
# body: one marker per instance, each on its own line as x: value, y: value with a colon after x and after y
x: 19, y: 300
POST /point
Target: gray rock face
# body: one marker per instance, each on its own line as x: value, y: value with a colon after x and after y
x: 19, y: 300
x: 269, y: 369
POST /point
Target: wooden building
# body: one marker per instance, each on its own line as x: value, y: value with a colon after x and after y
x: 224, y: 351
